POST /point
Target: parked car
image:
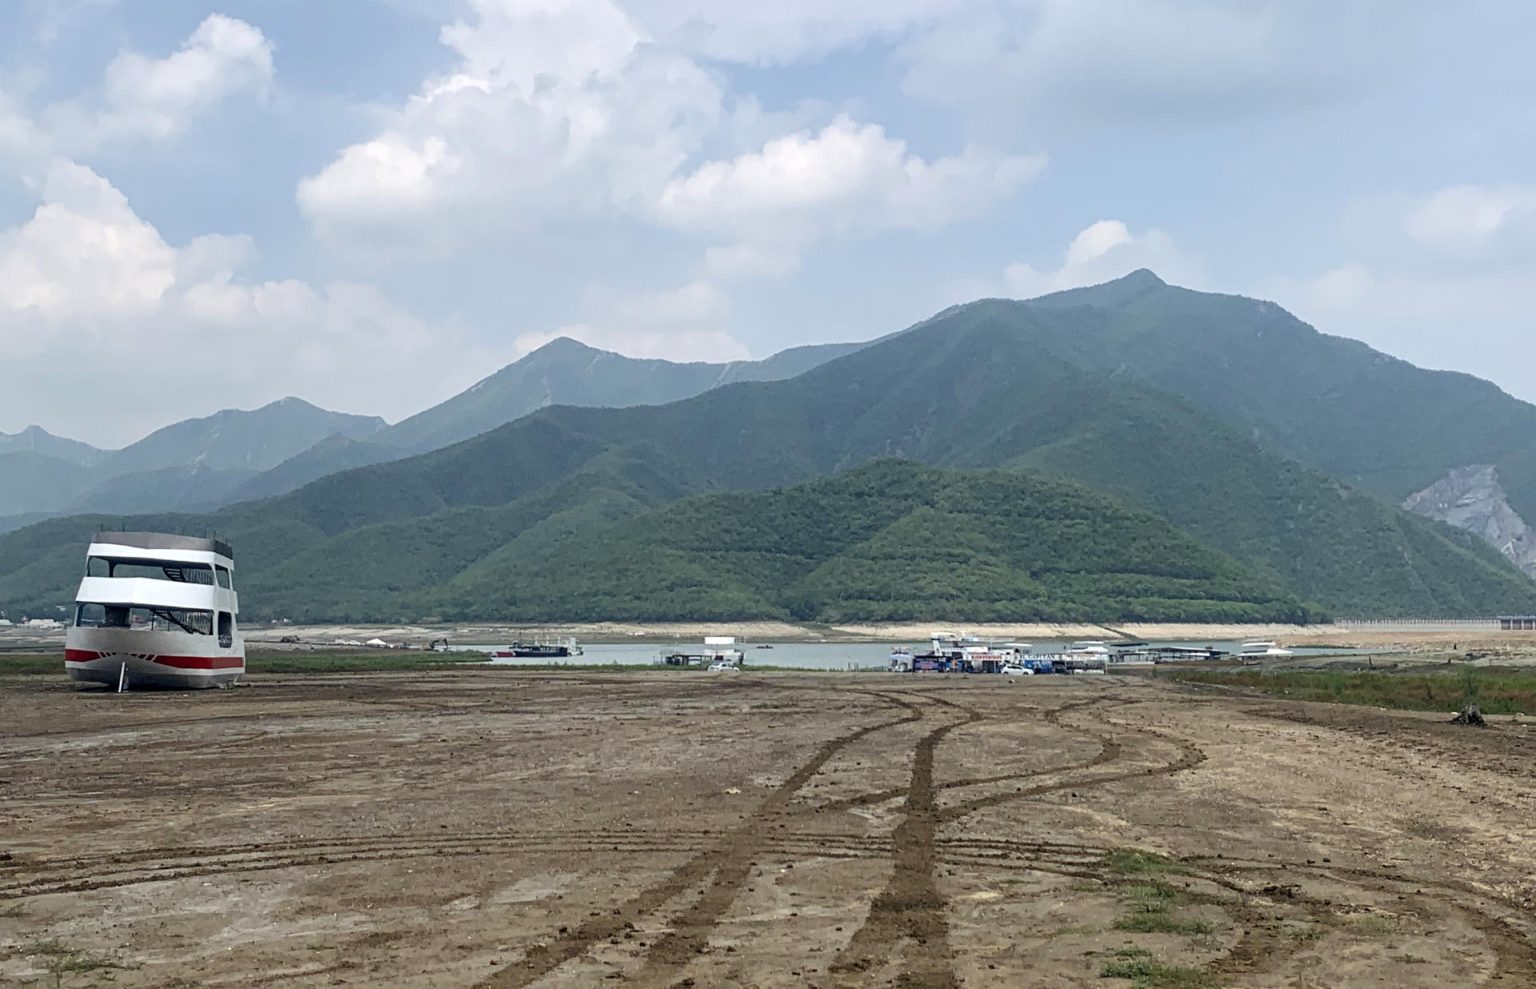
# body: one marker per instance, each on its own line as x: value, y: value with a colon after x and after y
x: 1015, y: 670
x: 721, y: 667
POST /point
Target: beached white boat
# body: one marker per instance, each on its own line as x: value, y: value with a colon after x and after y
x: 1262, y: 650
x: 156, y: 610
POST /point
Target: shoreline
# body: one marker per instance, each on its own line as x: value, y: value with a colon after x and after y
x: 1405, y: 636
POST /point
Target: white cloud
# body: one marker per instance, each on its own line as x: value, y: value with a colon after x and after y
x: 786, y: 30
x: 1071, y: 60
x: 84, y: 252
x: 555, y: 108
x: 1465, y: 272
x: 86, y: 284
x: 1103, y: 251
x: 142, y: 98
x: 150, y: 97
x: 846, y: 178
x: 695, y: 302
x: 1466, y: 217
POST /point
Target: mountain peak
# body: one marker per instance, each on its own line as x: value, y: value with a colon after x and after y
x: 1116, y: 292
x: 566, y: 344
x: 1140, y: 278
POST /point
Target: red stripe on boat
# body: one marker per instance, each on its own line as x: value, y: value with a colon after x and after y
x: 177, y: 662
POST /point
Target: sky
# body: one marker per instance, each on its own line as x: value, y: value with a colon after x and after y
x: 371, y: 204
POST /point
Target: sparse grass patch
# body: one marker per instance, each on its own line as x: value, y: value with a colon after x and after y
x: 1151, y: 911
x: 1162, y: 922
x: 1495, y: 691
x: 1146, y: 972
x: 1136, y: 862
x: 60, y: 960
x: 1374, y: 923
x: 32, y: 664
x: 1152, y: 896
x: 1305, y: 934
x: 13, y: 911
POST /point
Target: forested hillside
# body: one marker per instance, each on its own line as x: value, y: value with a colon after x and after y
x: 972, y: 387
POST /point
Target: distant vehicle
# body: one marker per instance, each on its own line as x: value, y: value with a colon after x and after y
x: 1015, y: 670
x: 156, y: 610
x: 723, y: 667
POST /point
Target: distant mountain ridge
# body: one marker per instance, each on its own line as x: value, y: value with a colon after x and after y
x: 235, y: 439
x: 568, y: 372
x: 36, y: 439
x: 193, y: 464
x: 236, y: 455
x: 992, y: 384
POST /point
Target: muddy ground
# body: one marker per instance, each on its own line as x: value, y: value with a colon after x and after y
x: 508, y: 829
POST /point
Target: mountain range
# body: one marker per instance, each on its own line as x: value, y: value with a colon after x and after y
x: 238, y: 455
x: 1283, y: 451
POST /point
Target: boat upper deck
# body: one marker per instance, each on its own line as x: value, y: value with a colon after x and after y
x: 159, y: 570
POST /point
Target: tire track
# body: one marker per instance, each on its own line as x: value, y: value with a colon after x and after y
x: 577, y: 844
x: 910, y: 909
x: 729, y: 860
x: 1109, y: 751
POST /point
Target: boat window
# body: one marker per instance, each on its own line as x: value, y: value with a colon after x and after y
x: 91, y: 615
x: 226, y: 629
x: 97, y: 566
x: 223, y: 577
x: 181, y: 573
x: 170, y: 620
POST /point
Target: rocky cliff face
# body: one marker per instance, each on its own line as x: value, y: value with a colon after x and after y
x: 1472, y: 498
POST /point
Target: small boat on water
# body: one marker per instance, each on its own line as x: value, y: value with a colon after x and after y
x: 1264, y: 649
x: 156, y: 610
x: 718, y: 649
x: 541, y: 648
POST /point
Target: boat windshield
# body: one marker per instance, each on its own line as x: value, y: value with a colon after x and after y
x: 147, y: 619
x: 181, y: 573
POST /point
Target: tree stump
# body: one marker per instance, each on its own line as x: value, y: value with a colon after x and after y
x: 1470, y: 715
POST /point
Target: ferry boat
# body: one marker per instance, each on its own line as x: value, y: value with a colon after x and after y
x: 540, y: 649
x: 1262, y: 650
x: 156, y: 610
x: 717, y: 649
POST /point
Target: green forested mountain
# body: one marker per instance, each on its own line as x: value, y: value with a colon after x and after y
x: 976, y: 386
x: 332, y: 454
x: 888, y: 541
x: 1360, y: 415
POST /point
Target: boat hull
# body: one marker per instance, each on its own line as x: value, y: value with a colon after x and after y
x: 152, y: 659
